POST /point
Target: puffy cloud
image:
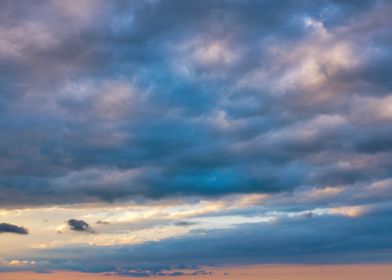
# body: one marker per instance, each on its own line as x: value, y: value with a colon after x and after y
x: 79, y: 225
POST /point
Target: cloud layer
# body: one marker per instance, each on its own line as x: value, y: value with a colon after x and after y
x: 303, y: 239
x: 239, y: 98
x: 279, y: 111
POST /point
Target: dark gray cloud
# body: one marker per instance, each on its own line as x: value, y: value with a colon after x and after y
x: 184, y: 223
x: 10, y: 228
x: 235, y: 99
x: 103, y: 223
x: 79, y: 225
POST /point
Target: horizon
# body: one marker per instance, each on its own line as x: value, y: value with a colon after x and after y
x: 251, y: 272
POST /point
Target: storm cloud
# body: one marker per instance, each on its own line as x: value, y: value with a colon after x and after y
x: 235, y: 99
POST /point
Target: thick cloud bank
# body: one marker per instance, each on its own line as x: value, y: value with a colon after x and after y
x: 161, y: 98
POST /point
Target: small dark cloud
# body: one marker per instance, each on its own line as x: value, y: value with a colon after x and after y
x: 185, y: 224
x: 103, y: 223
x: 79, y: 225
x: 149, y: 272
x: 309, y: 215
x: 10, y: 228
x: 202, y: 272
x: 176, y: 273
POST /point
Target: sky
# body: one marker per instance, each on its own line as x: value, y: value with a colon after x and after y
x: 170, y: 137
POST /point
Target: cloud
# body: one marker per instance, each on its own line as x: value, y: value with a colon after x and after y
x: 184, y: 224
x: 10, y: 228
x: 286, y: 102
x: 233, y: 100
x: 300, y: 239
x: 79, y: 225
x: 103, y: 222
x: 229, y: 112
